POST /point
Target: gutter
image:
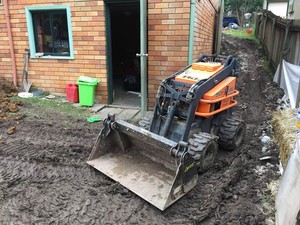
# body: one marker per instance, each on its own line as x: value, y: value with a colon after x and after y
x: 10, y: 40
x: 191, y: 34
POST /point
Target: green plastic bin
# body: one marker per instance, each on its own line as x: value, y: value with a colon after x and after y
x: 87, y: 87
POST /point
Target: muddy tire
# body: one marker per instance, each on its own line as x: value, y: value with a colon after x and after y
x: 203, y: 149
x: 231, y: 133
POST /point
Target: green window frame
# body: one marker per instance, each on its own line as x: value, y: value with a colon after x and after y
x: 50, y: 11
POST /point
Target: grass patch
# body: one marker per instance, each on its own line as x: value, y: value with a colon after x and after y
x: 241, y: 33
x: 38, y: 106
x: 267, y: 67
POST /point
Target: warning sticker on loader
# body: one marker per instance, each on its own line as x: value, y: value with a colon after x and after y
x: 189, y: 167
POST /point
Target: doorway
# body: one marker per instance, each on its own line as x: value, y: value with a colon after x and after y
x: 123, y: 37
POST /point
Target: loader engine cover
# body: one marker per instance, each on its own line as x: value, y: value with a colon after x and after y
x: 199, y: 71
x: 217, y: 99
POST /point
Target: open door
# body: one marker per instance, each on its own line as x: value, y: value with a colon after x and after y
x: 123, y: 42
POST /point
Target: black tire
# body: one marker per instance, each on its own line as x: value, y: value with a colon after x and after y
x: 203, y: 148
x: 231, y: 133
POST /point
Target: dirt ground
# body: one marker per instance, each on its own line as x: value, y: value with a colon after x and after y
x: 44, y: 178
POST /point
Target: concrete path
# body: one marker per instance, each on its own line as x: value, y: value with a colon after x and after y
x: 128, y: 114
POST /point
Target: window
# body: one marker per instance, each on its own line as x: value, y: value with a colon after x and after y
x: 49, y: 32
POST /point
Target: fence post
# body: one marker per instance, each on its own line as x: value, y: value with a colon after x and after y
x: 257, y: 24
x: 272, y: 41
x: 265, y: 18
x: 284, y: 51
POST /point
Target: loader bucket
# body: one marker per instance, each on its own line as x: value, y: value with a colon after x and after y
x: 141, y: 161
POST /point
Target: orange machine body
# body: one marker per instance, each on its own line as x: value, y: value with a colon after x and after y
x: 218, y: 98
x: 199, y: 71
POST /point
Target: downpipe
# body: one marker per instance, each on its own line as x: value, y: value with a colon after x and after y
x: 10, y: 40
x: 191, y: 34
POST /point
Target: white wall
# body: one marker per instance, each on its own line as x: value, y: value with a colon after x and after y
x: 296, y: 14
x: 278, y: 8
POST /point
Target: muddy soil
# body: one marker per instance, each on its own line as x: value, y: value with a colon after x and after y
x: 44, y: 178
x: 9, y: 108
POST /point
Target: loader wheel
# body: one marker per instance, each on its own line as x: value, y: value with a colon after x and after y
x: 231, y: 133
x: 204, y: 148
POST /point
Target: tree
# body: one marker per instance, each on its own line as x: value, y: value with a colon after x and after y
x: 240, y: 7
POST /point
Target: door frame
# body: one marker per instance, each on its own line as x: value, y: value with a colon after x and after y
x: 107, y: 4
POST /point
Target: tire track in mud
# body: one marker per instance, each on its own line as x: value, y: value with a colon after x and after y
x: 239, y: 201
x: 45, y: 180
x: 38, y: 191
x: 54, y: 134
x: 71, y: 155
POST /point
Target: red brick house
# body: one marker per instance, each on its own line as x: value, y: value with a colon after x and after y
x: 100, y: 38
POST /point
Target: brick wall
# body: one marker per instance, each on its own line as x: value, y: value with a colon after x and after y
x: 204, y: 27
x: 88, y: 26
x: 168, y: 33
x: 168, y: 37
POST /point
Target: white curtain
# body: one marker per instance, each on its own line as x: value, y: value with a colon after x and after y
x: 287, y: 200
x: 290, y: 76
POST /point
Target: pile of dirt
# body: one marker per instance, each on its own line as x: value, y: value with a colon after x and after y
x: 9, y: 108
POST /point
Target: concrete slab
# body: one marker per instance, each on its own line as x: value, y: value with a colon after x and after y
x: 123, y: 106
x: 104, y: 112
x: 128, y: 114
x: 137, y: 117
x: 97, y: 107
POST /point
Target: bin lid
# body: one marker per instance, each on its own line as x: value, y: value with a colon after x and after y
x: 87, y: 80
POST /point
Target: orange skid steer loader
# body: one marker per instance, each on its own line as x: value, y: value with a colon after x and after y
x: 192, y: 118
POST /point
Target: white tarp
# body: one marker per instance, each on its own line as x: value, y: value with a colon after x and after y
x: 290, y: 76
x: 288, y: 197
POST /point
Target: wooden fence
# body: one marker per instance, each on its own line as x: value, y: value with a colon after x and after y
x: 280, y: 38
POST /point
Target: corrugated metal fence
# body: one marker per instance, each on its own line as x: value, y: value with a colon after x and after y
x: 280, y: 38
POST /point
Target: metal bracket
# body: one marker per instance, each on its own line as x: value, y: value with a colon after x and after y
x: 178, y: 152
x: 107, y: 124
x: 141, y: 55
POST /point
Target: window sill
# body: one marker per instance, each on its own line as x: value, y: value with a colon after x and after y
x: 52, y: 57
